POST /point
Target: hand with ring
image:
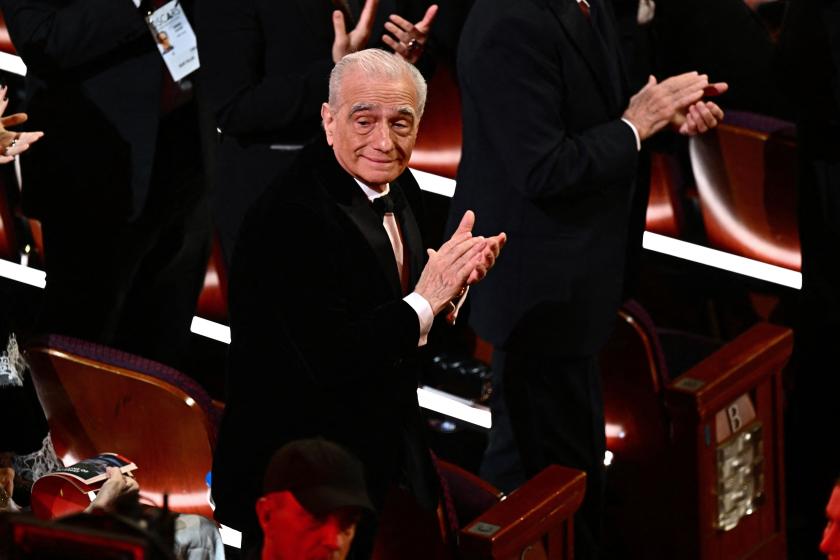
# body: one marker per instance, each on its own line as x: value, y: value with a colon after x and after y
x: 13, y: 143
x: 408, y: 39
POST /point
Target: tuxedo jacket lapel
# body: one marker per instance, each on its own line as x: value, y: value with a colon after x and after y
x: 412, y: 240
x: 355, y: 205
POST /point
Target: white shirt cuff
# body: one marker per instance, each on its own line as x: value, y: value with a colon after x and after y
x: 424, y: 314
x: 635, y: 133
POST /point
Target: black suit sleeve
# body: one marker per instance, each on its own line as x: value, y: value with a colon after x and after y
x: 249, y: 91
x: 310, y: 299
x: 517, y: 78
x: 56, y: 36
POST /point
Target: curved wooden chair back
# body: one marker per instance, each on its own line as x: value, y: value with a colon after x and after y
x: 98, y: 399
x: 665, y: 432
x: 665, y: 214
x: 438, y: 148
x: 212, y: 301
x: 5, y: 40
x: 745, y: 172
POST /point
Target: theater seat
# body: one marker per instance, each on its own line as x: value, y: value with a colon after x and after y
x: 98, y: 399
x: 676, y: 438
x: 745, y: 171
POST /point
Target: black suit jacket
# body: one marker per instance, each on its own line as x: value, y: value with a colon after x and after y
x: 266, y: 67
x: 94, y: 86
x: 546, y: 159
x: 322, y: 343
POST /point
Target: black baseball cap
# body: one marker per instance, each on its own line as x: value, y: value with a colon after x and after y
x: 322, y: 475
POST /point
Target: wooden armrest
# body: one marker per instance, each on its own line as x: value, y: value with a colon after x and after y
x: 538, y: 513
x: 731, y: 371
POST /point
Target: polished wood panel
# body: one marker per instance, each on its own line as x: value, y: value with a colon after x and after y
x: 535, y: 521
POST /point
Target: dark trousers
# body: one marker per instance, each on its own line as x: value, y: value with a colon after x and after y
x: 548, y: 409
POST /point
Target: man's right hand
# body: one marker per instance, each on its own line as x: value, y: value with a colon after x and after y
x: 461, y: 261
x: 346, y: 43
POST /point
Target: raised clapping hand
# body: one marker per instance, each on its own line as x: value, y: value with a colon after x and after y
x: 461, y: 261
x: 117, y: 490
x: 346, y: 43
x: 13, y: 143
x: 409, y: 40
x: 677, y: 101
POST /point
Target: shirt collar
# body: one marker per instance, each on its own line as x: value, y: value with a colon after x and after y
x: 370, y: 193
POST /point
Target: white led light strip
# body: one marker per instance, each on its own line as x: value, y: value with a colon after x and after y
x: 12, y: 63
x: 666, y: 245
x: 722, y: 260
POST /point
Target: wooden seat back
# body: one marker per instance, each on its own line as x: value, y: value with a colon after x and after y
x: 745, y: 172
x: 438, y: 147
x: 212, y: 300
x: 97, y: 399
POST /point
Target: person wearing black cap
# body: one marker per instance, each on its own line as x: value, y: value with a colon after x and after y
x: 314, y: 496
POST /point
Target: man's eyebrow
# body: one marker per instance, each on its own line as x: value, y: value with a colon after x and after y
x: 407, y: 111
x: 358, y: 107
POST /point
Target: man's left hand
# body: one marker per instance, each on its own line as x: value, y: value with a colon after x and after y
x: 409, y: 40
x: 117, y: 491
x: 701, y: 116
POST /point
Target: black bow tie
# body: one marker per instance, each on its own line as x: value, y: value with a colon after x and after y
x: 386, y: 203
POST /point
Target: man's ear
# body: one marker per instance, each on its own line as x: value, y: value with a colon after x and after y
x: 329, y: 122
x: 263, y: 512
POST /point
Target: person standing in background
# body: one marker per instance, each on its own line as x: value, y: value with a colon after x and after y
x: 116, y: 181
x: 549, y: 156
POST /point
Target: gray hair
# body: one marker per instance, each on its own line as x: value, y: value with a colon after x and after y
x: 376, y: 63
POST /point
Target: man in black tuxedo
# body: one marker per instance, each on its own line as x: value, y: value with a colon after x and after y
x: 117, y: 180
x: 330, y: 300
x: 266, y: 66
x: 551, y: 141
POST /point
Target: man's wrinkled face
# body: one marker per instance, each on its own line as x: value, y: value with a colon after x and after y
x: 831, y: 536
x: 373, y: 128
x: 292, y: 533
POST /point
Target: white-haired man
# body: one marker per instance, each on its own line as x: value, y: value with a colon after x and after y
x: 330, y: 300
